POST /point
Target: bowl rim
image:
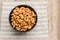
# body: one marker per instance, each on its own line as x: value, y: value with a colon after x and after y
x: 19, y: 7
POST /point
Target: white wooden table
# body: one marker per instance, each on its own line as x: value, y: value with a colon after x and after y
x: 18, y: 37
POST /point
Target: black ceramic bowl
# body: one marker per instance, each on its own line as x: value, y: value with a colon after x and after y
x: 25, y: 7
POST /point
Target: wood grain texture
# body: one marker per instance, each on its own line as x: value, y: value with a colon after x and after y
x: 58, y: 22
x: 22, y: 0
x: 0, y: 14
x: 7, y: 0
x: 50, y: 19
x: 53, y: 18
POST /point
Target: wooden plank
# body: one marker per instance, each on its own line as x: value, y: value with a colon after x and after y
x: 58, y: 23
x: 22, y: 0
x: 50, y: 19
x: 52, y: 11
x: 7, y: 0
x: 0, y: 14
